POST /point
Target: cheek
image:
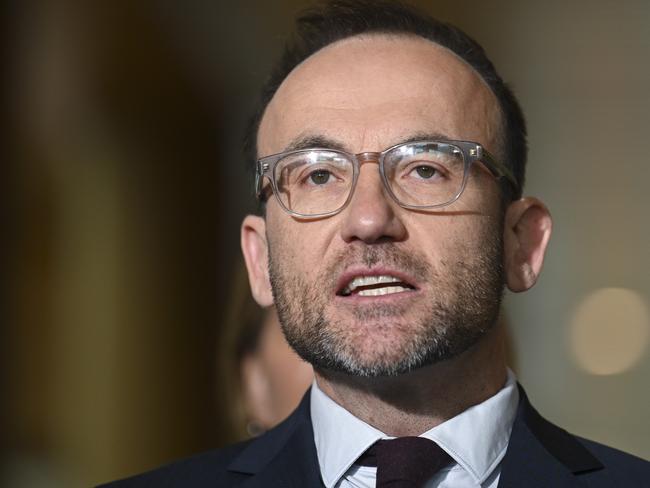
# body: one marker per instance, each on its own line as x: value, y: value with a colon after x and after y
x: 297, y: 246
x: 482, y: 193
x: 452, y: 237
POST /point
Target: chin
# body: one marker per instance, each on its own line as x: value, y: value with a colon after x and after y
x: 376, y: 358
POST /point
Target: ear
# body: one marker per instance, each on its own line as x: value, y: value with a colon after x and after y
x: 255, y: 249
x: 526, y: 234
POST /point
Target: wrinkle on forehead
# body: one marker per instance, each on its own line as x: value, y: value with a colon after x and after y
x: 372, y: 86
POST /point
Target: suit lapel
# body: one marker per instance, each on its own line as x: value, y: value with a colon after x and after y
x: 541, y: 454
x: 283, y: 457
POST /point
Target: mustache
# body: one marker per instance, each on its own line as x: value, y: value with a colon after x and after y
x: 385, y: 254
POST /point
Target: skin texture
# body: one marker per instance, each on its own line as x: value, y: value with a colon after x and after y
x: 367, y: 93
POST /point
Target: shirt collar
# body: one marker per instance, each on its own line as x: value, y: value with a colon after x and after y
x: 340, y: 437
x: 476, y: 438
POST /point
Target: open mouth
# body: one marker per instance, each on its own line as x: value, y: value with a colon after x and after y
x: 374, y: 286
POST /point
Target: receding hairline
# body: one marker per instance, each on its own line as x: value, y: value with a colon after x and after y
x: 498, y: 131
x: 394, y: 36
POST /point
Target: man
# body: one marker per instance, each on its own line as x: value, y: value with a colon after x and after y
x: 390, y: 162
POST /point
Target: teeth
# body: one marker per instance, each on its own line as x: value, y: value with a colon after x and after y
x: 387, y: 290
x: 362, y: 281
x: 371, y: 280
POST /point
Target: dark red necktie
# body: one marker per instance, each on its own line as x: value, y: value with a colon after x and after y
x: 405, y: 462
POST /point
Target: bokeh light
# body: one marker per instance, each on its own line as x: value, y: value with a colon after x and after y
x: 609, y: 331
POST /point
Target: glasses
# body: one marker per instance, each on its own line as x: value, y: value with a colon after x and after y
x: 319, y: 182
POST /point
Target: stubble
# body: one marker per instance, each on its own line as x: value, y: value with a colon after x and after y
x: 461, y: 304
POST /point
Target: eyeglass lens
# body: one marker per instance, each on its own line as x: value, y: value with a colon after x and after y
x: 313, y: 182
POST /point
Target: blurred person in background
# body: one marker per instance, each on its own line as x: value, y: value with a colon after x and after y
x: 264, y: 379
x: 388, y: 276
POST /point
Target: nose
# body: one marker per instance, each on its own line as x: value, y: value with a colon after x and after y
x: 372, y: 215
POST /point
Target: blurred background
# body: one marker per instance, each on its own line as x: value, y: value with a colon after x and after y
x: 123, y: 189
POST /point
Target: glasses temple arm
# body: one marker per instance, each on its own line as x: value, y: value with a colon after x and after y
x: 497, y: 168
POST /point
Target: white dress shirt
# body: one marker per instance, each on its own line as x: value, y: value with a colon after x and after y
x: 476, y: 439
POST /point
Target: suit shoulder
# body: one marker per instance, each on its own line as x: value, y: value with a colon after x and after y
x: 620, y: 468
x: 230, y: 466
x: 204, y: 469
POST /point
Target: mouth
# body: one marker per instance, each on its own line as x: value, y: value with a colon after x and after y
x: 374, y: 285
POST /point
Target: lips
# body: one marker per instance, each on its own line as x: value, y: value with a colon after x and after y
x: 372, y: 285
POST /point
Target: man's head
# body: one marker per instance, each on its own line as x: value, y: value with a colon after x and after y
x: 341, y: 19
x: 364, y: 93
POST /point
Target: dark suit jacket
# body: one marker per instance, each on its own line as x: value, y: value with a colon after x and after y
x: 539, y: 454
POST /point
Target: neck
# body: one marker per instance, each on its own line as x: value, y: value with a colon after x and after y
x: 412, y: 403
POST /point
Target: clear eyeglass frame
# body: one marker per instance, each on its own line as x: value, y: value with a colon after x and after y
x: 472, y: 152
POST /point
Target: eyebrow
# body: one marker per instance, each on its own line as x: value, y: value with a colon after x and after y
x: 426, y: 136
x: 311, y: 141
x: 315, y: 140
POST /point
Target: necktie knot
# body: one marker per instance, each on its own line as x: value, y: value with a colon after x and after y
x: 405, y: 462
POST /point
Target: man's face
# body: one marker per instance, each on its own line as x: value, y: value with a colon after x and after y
x: 366, y: 94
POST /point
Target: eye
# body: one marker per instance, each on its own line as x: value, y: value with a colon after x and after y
x: 426, y: 172
x: 320, y: 176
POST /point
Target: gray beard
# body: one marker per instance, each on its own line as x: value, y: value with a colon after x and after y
x: 464, y: 306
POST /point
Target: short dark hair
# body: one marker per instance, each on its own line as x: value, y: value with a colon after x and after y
x: 335, y: 20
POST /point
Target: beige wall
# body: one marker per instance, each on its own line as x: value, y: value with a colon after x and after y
x: 580, y: 72
x: 126, y: 124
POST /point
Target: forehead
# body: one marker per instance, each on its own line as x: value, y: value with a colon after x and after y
x: 373, y: 91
